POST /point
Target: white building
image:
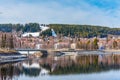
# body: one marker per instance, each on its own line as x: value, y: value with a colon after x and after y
x: 73, y: 46
x: 38, y: 46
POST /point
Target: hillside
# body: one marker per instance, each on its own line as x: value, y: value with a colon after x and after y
x: 81, y: 30
x: 29, y: 27
x: 61, y: 29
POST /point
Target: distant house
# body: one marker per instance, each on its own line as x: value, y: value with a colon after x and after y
x: 38, y: 46
x: 73, y: 46
x: 102, y: 43
x: 57, y: 46
x: 60, y: 45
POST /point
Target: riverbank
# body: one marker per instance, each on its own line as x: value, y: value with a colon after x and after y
x: 72, y: 52
x: 9, y: 56
x: 66, y: 49
x: 112, y: 50
x: 8, y: 52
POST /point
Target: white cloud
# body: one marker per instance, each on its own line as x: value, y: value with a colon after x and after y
x: 54, y: 12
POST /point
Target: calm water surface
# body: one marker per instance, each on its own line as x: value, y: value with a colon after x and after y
x: 81, y: 67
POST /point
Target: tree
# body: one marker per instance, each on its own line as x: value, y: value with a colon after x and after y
x: 31, y: 27
x: 11, y: 42
x: 88, y: 45
x: 95, y: 43
x: 115, y: 44
x: 81, y: 30
x: 3, y: 41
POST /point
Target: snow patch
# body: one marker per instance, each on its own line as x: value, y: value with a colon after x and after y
x: 35, y: 34
x: 43, y: 28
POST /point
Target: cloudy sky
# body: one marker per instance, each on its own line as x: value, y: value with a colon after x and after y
x: 93, y: 12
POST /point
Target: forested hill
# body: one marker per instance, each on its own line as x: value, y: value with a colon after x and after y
x: 30, y: 27
x: 81, y: 30
x: 63, y: 29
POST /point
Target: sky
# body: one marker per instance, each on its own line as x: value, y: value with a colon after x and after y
x: 85, y: 12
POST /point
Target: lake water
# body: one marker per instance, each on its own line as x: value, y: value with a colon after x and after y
x: 81, y: 67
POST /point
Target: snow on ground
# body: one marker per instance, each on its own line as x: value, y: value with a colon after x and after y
x: 43, y: 28
x: 35, y: 34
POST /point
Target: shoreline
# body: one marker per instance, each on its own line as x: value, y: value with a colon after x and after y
x: 8, y: 52
x: 106, y: 50
x: 112, y: 50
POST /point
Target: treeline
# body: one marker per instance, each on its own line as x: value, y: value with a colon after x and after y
x: 87, y: 45
x: 30, y: 27
x: 63, y: 29
x: 81, y: 30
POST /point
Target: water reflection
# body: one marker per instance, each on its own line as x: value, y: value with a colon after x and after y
x: 87, y: 64
x: 79, y: 64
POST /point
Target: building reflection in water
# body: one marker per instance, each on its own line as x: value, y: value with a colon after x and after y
x: 61, y: 65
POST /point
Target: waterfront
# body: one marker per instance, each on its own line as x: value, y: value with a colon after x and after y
x: 82, y: 67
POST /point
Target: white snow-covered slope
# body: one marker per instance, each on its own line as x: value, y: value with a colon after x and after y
x: 35, y: 34
x: 43, y: 28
